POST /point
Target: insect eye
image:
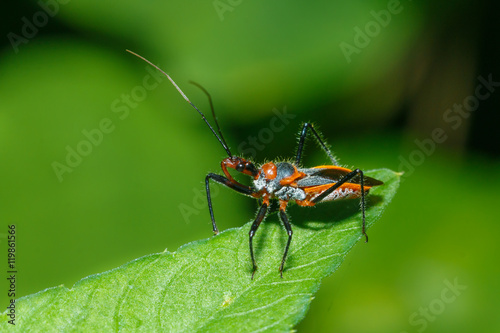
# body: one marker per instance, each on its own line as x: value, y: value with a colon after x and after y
x: 240, y: 167
x: 252, y: 169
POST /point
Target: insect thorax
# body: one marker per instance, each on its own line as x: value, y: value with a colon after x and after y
x: 273, y: 186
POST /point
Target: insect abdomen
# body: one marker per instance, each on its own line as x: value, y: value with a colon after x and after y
x: 340, y: 193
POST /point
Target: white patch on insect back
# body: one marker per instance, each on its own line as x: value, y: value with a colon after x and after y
x: 341, y: 193
x: 273, y: 186
x: 260, y: 182
x: 290, y: 193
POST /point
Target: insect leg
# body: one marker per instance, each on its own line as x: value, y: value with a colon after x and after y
x: 289, y: 231
x: 345, y: 179
x: 302, y: 138
x: 258, y: 219
x: 226, y: 182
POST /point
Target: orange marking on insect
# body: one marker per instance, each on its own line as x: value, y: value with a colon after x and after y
x: 290, y: 180
x: 270, y: 170
x: 331, y: 167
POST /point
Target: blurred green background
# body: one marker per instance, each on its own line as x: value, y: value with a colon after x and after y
x: 377, y: 77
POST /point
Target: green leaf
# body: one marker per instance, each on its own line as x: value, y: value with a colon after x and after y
x: 205, y: 286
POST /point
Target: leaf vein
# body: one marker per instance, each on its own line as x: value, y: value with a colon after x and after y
x: 265, y: 306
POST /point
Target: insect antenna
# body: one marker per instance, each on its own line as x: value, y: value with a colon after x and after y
x: 221, y: 138
x: 211, y: 108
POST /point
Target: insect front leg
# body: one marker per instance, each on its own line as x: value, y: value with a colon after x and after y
x: 300, y: 147
x: 228, y: 183
x: 345, y: 179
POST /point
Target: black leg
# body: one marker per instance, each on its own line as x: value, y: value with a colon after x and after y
x: 303, y: 135
x: 346, y: 178
x: 260, y: 216
x: 226, y: 182
x: 289, y: 231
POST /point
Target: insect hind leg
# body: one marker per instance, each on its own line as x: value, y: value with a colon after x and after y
x: 345, y: 179
x: 317, y: 136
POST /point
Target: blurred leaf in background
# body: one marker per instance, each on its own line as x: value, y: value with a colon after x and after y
x: 68, y: 88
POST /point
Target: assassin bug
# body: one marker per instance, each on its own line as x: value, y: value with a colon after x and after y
x: 283, y: 181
